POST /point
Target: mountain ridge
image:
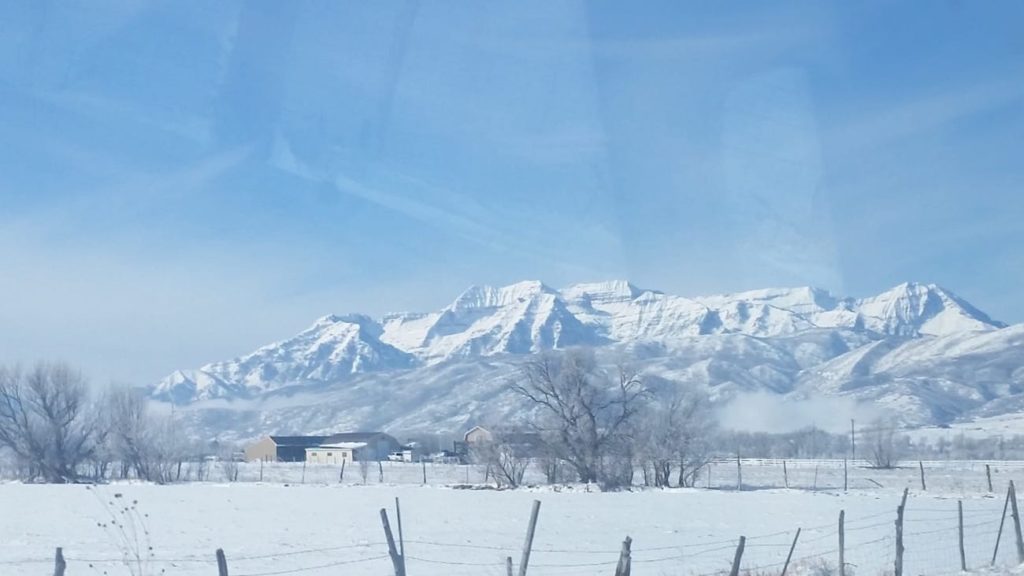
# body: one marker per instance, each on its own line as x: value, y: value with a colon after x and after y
x: 783, y: 340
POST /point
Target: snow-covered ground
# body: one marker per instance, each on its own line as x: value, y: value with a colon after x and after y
x: 322, y: 527
x: 992, y: 427
x: 949, y: 476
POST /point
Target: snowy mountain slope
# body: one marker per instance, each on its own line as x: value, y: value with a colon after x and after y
x: 625, y: 312
x: 917, y: 347
x: 518, y: 319
x: 931, y: 379
x: 450, y: 395
x: 621, y: 312
x: 332, y: 349
x: 911, y: 309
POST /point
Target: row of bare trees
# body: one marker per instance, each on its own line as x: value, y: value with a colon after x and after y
x: 602, y: 425
x: 605, y: 425
x: 57, y: 429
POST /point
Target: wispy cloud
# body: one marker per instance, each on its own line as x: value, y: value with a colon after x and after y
x: 526, y: 233
x: 873, y: 128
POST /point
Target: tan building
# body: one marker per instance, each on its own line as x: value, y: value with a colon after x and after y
x: 282, y: 448
x: 478, y: 435
x: 336, y: 453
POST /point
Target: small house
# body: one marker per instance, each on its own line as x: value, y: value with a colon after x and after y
x: 336, y: 453
x: 478, y: 435
x: 377, y: 444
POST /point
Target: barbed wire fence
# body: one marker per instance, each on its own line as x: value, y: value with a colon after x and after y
x: 960, y: 476
x: 932, y: 538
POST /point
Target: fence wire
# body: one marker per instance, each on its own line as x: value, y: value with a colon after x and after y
x: 931, y: 537
x: 931, y: 541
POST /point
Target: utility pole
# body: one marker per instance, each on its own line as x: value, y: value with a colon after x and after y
x: 853, y: 441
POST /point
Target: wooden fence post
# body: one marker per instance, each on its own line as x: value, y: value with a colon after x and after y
x: 790, y: 555
x: 261, y: 469
x: 424, y: 462
x: 815, y: 486
x: 623, y: 567
x: 303, y: 472
x: 58, y: 563
x: 785, y: 475
x: 739, y: 472
x: 960, y: 526
x: 1016, y: 524
x: 341, y: 476
x: 846, y: 482
x: 735, y: 571
x: 988, y: 475
x: 508, y: 565
x: 524, y: 562
x: 1002, y: 520
x: 842, y: 543
x: 899, y: 533
x: 222, y: 563
x: 920, y: 465
x: 380, y: 472
x: 401, y: 540
x: 396, y: 560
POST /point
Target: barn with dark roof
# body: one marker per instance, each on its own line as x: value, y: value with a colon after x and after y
x: 293, y: 448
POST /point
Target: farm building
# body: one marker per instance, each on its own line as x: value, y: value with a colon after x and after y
x: 376, y: 446
x: 477, y: 435
x: 282, y: 448
x: 337, y: 453
x: 477, y: 441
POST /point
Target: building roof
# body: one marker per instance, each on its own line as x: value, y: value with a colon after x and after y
x: 353, y: 437
x: 313, y: 441
x: 474, y: 429
x: 348, y: 445
x: 298, y: 441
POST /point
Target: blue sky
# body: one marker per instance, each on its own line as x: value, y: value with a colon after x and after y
x: 183, y: 181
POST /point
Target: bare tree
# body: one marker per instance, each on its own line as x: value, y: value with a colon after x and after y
x: 165, y: 451
x: 583, y: 410
x: 674, y: 434
x: 148, y: 444
x: 882, y: 443
x: 130, y: 429
x: 103, y: 454
x: 364, y: 468
x: 554, y: 468
x: 229, y: 464
x: 46, y: 420
x: 507, y: 456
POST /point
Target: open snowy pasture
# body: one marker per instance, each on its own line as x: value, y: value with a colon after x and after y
x: 271, y: 528
x: 947, y: 476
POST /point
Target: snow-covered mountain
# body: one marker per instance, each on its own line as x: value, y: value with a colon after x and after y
x: 916, y: 347
x: 331, y: 350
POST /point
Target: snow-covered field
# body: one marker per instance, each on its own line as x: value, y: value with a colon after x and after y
x: 326, y: 528
x: 951, y: 476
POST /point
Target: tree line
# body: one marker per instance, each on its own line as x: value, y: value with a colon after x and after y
x: 57, y: 429
x: 583, y: 422
x: 588, y: 423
